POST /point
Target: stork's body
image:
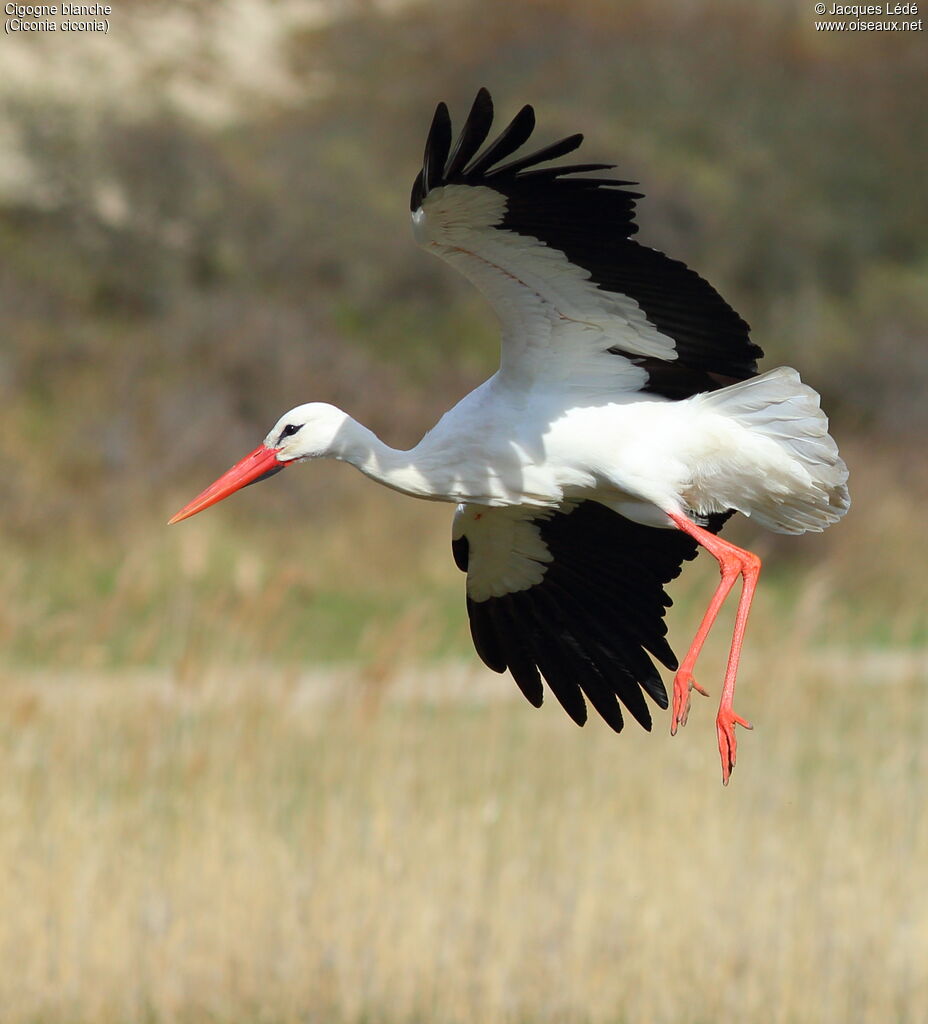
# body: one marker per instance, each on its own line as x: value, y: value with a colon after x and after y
x: 643, y: 458
x: 625, y: 424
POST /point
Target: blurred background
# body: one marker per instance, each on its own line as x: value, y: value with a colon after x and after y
x: 250, y: 769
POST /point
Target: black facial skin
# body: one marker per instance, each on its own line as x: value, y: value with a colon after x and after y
x: 289, y: 430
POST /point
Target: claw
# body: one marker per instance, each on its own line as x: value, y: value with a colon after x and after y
x: 725, y: 724
x: 683, y: 685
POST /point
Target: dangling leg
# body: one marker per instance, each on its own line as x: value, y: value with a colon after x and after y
x: 683, y: 681
x: 733, y: 562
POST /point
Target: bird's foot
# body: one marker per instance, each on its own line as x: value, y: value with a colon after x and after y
x: 725, y: 723
x: 683, y: 685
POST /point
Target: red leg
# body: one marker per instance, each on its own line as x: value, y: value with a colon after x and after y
x: 684, y: 682
x: 733, y: 562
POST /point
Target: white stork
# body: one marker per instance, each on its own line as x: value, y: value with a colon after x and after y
x: 625, y: 424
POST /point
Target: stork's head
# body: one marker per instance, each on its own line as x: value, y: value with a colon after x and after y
x: 306, y: 432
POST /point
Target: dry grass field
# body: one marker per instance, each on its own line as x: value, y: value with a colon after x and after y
x: 265, y: 847
x: 201, y: 821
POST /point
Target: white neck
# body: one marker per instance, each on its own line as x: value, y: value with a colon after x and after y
x: 401, y: 470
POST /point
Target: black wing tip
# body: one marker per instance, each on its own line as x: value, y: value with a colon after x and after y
x: 483, y: 99
x: 463, y: 163
x: 437, y: 147
x: 473, y: 134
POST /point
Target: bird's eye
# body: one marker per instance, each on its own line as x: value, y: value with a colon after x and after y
x: 290, y: 429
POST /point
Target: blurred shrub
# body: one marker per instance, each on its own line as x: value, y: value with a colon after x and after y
x: 168, y: 285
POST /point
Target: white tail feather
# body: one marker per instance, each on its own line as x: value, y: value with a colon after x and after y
x: 777, y: 405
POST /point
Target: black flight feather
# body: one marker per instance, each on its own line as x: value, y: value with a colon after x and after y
x: 547, y: 173
x: 473, y: 134
x: 551, y: 152
x: 487, y: 641
x: 514, y: 135
x: 437, y: 147
x: 512, y: 630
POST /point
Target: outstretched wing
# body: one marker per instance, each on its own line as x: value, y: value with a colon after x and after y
x: 579, y: 301
x: 574, y: 596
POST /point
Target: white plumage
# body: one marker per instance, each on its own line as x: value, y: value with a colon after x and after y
x: 625, y: 424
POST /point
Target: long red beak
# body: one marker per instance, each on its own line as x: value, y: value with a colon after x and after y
x: 260, y: 463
